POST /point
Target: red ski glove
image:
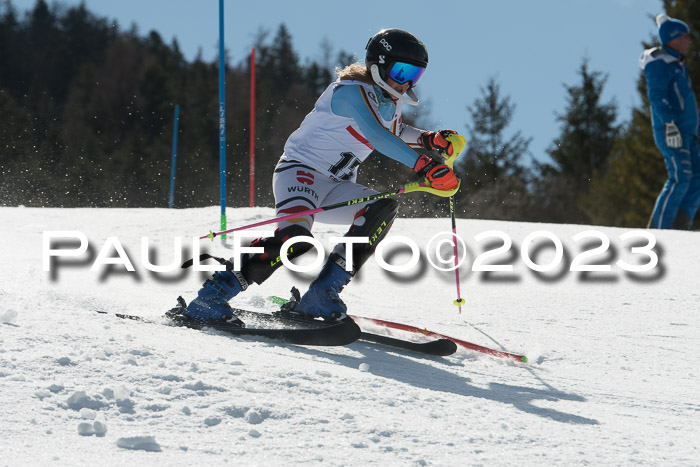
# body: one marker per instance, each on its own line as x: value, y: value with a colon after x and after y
x: 436, y: 140
x: 441, y: 176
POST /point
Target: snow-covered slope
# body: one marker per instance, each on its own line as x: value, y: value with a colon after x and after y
x: 612, y: 379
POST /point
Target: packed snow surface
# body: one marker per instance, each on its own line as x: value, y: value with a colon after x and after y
x: 612, y: 377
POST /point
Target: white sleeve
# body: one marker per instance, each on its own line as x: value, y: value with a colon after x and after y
x: 409, y: 134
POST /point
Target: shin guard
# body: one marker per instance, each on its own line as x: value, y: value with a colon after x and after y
x: 259, y: 267
x: 373, y: 222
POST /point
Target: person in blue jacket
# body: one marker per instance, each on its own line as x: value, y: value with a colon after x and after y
x: 674, y: 113
x: 356, y: 114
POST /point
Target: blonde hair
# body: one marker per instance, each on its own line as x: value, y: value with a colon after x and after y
x: 356, y: 72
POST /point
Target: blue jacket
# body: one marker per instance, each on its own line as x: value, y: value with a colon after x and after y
x: 670, y: 94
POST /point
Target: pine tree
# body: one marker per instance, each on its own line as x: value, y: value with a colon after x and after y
x: 625, y: 193
x: 588, y: 132
x: 494, y: 180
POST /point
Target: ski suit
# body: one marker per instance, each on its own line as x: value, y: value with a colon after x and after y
x: 671, y: 98
x: 321, y: 158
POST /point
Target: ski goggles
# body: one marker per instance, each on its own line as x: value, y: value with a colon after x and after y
x: 402, y: 72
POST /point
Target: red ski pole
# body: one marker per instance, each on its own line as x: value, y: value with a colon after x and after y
x: 409, y: 188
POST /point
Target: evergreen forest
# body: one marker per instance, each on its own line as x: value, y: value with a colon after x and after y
x: 88, y: 112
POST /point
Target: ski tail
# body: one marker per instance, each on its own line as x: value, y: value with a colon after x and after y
x: 314, y: 333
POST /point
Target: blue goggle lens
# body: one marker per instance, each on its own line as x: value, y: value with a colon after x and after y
x: 403, y: 72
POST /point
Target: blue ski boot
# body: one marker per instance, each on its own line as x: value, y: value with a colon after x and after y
x: 211, y: 305
x: 322, y: 300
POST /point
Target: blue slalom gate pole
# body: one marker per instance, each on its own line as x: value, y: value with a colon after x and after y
x: 222, y: 117
x: 173, y: 162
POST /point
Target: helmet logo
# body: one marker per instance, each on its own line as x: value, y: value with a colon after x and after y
x: 382, y: 60
x: 386, y: 45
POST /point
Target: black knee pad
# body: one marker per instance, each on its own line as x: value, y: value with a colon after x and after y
x: 260, y: 266
x: 374, y: 222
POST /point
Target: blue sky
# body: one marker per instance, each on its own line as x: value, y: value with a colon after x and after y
x: 532, y: 47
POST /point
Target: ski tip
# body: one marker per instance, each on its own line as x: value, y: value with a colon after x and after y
x: 524, y: 359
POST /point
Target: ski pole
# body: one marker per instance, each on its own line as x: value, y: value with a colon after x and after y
x: 458, y: 144
x: 409, y: 188
x: 459, y: 301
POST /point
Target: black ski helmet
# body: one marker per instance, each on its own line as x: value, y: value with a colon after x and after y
x: 394, y: 45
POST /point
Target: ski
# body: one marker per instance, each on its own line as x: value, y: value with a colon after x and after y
x: 437, y: 347
x: 416, y: 330
x: 459, y: 342
x: 316, y: 333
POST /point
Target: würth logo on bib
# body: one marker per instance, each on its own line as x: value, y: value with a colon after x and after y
x: 307, y: 178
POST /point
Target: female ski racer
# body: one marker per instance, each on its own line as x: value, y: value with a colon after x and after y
x: 356, y: 114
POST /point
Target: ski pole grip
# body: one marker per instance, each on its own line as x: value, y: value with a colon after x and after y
x: 458, y: 145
